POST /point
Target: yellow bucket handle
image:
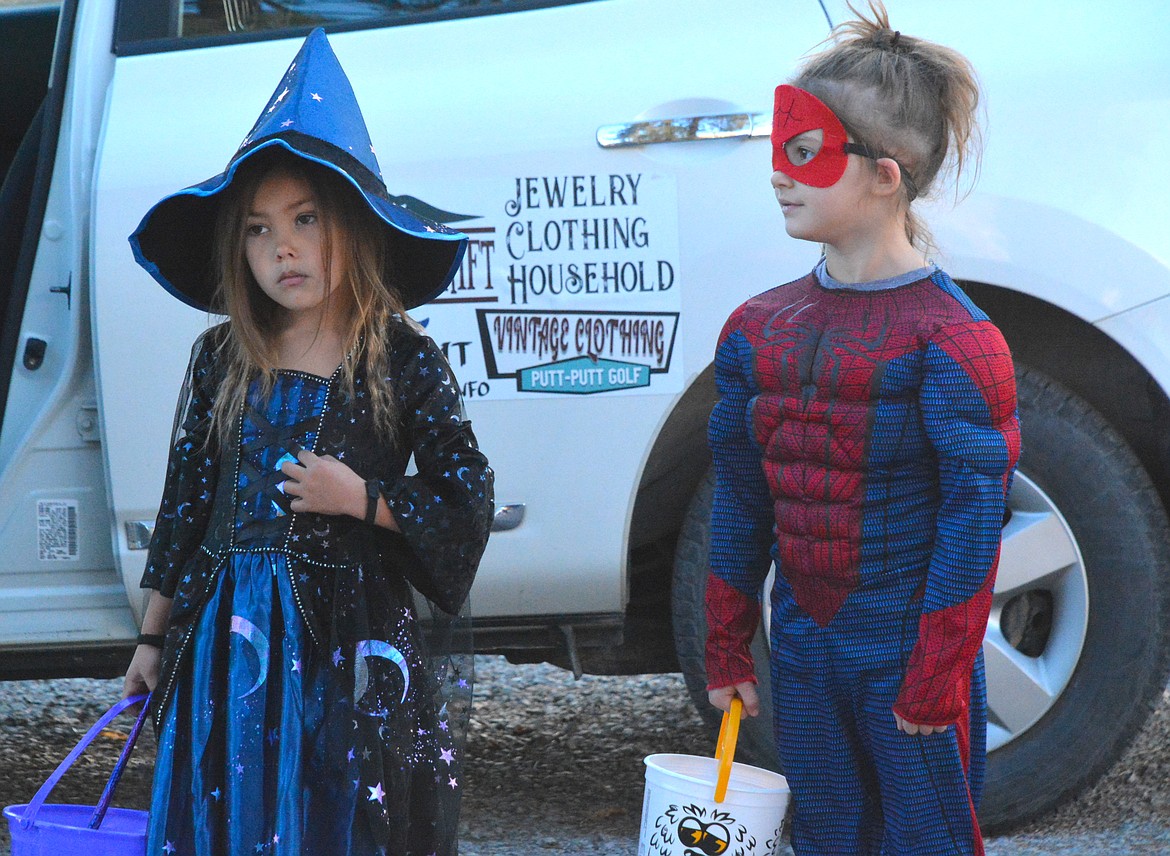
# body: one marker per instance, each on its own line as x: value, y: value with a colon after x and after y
x: 725, y: 747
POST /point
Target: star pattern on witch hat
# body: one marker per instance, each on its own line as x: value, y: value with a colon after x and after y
x: 315, y: 77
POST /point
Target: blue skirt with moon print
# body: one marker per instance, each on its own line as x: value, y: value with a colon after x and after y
x: 252, y: 756
x: 259, y: 751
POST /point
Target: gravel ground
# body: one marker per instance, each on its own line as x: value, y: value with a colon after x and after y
x: 556, y: 765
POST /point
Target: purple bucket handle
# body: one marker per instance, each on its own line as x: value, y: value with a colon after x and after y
x: 30, y: 812
x: 99, y: 813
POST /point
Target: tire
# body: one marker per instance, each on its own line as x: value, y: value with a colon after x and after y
x: 1077, y: 646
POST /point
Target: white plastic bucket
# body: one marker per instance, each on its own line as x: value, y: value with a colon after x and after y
x: 696, y: 806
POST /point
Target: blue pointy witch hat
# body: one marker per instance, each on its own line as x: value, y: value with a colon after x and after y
x: 313, y: 114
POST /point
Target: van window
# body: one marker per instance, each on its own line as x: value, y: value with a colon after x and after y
x: 148, y: 26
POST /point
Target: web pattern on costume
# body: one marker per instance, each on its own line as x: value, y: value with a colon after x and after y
x: 867, y: 438
x: 874, y: 433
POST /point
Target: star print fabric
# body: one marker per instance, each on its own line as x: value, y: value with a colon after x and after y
x: 191, y: 478
x: 866, y: 435
x: 254, y: 732
x: 312, y: 701
x: 451, y: 482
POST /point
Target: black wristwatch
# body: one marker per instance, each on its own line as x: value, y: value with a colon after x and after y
x: 373, y: 494
x: 154, y: 640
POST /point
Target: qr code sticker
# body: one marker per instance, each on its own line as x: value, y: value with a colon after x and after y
x: 57, y: 530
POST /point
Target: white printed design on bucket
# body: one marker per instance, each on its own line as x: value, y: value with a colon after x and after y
x: 692, y: 830
x: 681, y: 818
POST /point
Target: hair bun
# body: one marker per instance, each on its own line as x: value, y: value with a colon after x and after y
x: 886, y: 39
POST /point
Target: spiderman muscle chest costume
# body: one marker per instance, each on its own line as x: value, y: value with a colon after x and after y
x: 866, y: 437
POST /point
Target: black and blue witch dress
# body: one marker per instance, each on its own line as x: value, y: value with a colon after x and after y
x: 316, y: 685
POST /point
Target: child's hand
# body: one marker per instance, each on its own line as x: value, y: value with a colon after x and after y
x: 721, y: 698
x: 142, y: 674
x: 913, y: 728
x: 325, y: 485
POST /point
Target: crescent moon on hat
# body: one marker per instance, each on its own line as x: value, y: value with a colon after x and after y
x: 252, y: 635
x: 179, y: 511
x: 361, y: 672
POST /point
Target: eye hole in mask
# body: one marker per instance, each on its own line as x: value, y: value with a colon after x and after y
x: 804, y: 147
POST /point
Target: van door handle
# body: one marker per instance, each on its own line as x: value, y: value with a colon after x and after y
x: 508, y: 517
x: 724, y: 126
x: 138, y: 534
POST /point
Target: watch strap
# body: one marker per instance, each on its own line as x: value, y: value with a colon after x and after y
x: 154, y: 640
x: 373, y: 494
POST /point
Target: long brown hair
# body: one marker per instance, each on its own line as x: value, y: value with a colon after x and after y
x: 913, y: 100
x: 351, y: 232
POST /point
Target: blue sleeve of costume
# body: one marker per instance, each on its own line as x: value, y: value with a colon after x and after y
x: 968, y: 404
x: 741, y: 518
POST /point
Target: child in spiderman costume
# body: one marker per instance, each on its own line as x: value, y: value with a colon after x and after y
x: 866, y: 432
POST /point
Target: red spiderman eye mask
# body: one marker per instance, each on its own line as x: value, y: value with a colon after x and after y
x: 809, y: 143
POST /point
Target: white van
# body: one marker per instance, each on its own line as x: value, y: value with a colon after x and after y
x: 610, y: 161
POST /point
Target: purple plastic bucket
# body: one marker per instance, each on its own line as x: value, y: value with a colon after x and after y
x: 57, y: 830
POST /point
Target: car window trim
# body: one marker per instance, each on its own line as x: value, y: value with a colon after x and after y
x: 128, y: 11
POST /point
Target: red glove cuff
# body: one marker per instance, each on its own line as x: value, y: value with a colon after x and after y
x: 936, y: 689
x: 732, y: 618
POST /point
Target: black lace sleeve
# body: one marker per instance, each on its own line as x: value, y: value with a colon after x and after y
x: 445, y: 511
x: 191, y: 473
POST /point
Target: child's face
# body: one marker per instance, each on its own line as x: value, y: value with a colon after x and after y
x: 284, y: 243
x: 832, y: 189
x: 820, y: 187
x: 827, y: 215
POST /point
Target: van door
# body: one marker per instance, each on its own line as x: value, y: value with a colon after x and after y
x: 62, y: 605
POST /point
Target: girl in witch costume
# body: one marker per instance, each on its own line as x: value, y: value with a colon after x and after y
x: 307, y: 691
x: 866, y: 434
